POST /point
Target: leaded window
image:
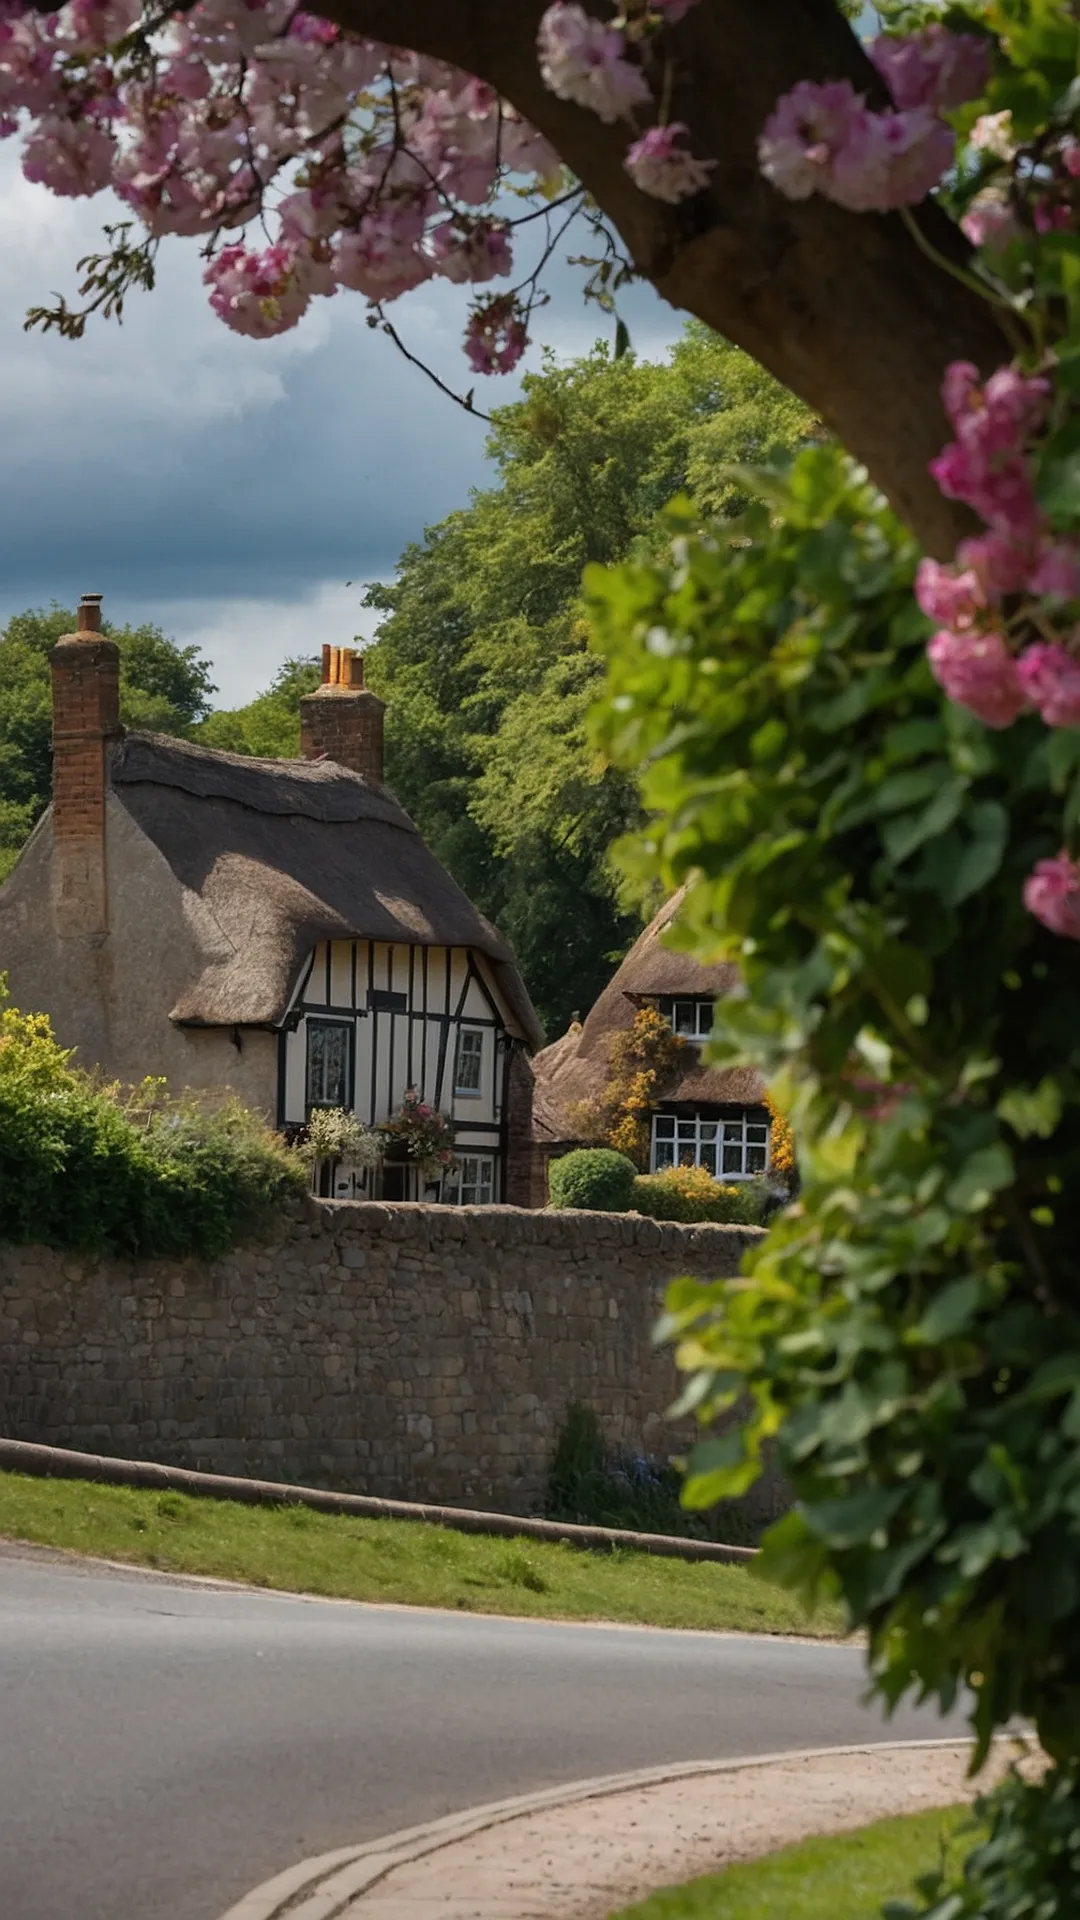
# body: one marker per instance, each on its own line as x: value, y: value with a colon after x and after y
x: 470, y: 1060
x: 476, y: 1179
x: 731, y: 1146
x: 328, y: 1043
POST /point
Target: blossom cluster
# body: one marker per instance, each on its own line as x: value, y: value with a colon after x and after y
x: 1005, y: 645
x: 987, y: 466
x: 369, y: 167
x: 1020, y: 561
x: 823, y: 136
x: 598, y: 64
x: 374, y: 169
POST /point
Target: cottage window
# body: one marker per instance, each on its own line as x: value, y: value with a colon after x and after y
x: 692, y: 1018
x: 731, y: 1146
x: 470, y: 1059
x: 328, y: 1063
x: 476, y: 1179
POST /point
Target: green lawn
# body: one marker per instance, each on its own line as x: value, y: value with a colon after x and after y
x: 402, y: 1560
x: 844, y: 1878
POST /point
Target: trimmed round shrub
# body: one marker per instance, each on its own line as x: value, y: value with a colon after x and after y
x: 595, y: 1178
x: 690, y: 1194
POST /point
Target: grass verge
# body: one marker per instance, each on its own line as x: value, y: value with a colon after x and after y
x: 846, y: 1877
x: 399, y: 1560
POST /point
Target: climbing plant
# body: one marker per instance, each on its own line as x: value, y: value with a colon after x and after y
x: 644, y: 1059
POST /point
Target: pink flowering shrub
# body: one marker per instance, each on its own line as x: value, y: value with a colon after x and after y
x: 1052, y: 894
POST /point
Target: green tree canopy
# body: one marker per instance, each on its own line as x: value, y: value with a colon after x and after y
x: 482, y: 653
x: 269, y: 726
x: 163, y: 687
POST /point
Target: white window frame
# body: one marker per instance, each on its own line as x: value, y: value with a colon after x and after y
x: 475, y: 1180
x: 730, y: 1146
x: 345, y: 1028
x: 701, y: 1011
x: 474, y: 1053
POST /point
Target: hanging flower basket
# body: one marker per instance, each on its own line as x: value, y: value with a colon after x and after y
x: 424, y: 1132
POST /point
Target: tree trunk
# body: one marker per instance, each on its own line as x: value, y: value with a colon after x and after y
x: 843, y: 308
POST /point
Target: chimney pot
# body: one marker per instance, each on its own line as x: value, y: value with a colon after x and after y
x: 341, y: 720
x: 90, y: 613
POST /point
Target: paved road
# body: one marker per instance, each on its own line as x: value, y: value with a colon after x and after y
x: 165, y: 1747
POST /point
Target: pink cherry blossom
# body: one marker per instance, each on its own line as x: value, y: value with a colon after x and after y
x: 977, y: 671
x: 72, y: 158
x: 805, y: 132
x: 661, y: 164
x: 943, y: 594
x: 1056, y: 571
x: 477, y: 250
x: 524, y: 150
x: 993, y: 133
x: 496, y: 335
x: 934, y: 68
x: 1050, y: 677
x: 822, y: 138
x: 583, y: 60
x: 381, y: 256
x: 260, y: 294
x: 1001, y: 564
x: 1052, y: 894
x: 986, y: 465
x: 990, y: 221
x: 94, y: 25
x: 918, y: 148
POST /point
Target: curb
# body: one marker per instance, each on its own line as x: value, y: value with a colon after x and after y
x: 60, y: 1463
x: 322, y: 1888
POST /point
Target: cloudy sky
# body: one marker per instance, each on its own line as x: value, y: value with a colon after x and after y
x: 230, y: 489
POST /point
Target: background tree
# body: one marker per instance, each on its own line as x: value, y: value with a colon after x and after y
x: 163, y: 687
x: 482, y: 653
x: 269, y: 725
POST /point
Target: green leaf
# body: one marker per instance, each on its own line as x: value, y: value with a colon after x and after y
x: 1031, y: 1111
x: 987, y: 1171
x: 854, y: 1520
x: 951, y: 1311
x: 622, y: 339
x: 903, y: 836
x: 988, y: 824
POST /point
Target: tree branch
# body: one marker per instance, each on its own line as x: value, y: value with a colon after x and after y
x: 841, y: 307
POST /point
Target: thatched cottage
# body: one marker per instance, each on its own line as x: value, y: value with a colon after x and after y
x: 704, y: 1117
x: 275, y: 927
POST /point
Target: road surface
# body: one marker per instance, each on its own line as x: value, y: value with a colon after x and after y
x: 165, y: 1747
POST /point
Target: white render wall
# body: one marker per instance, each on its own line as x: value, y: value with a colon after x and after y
x: 445, y: 989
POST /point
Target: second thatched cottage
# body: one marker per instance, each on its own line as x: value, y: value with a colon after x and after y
x: 272, y: 926
x: 702, y: 1116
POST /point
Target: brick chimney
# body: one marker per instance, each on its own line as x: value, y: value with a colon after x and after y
x: 86, y: 718
x: 341, y: 721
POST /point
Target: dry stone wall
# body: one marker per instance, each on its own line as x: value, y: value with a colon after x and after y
x: 415, y: 1352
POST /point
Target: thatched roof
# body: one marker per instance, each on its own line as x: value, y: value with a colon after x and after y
x: 281, y: 854
x: 576, y: 1067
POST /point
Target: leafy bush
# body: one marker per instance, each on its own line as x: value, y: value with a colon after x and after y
x: 334, y: 1134
x: 80, y: 1169
x: 595, y: 1178
x: 593, y: 1485
x: 690, y: 1193
x: 908, y: 1338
